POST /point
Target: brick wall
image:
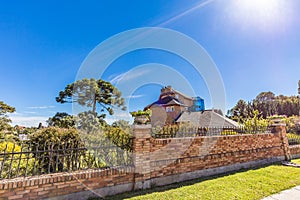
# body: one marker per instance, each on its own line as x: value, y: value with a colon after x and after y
x: 157, y: 162
x: 186, y: 155
x: 295, y: 151
x: 62, y: 184
x: 176, y: 159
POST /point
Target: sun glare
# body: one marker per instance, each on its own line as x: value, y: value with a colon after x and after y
x: 262, y: 14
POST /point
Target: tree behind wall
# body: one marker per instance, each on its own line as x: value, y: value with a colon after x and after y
x: 62, y: 120
x: 267, y: 105
x: 4, y: 120
x: 90, y: 92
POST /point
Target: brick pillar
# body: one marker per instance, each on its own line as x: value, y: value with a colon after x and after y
x: 280, y: 129
x: 141, y: 155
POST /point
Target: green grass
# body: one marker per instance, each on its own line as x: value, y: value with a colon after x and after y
x: 247, y: 184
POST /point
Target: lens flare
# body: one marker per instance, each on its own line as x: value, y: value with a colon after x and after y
x: 267, y: 15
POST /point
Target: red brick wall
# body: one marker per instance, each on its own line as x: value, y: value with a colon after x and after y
x: 184, y: 155
x: 155, y: 158
x: 295, y: 151
x: 63, y: 183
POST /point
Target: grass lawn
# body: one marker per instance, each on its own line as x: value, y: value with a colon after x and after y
x: 247, y: 184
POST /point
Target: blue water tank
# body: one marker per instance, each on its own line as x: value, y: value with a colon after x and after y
x: 198, y: 104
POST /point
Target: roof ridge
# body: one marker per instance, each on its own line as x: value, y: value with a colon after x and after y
x: 186, y: 96
x: 226, y: 118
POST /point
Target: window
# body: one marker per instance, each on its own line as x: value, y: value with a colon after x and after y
x: 176, y: 96
x: 170, y: 109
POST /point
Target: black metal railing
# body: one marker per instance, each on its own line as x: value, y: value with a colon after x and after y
x: 36, y: 159
x: 174, y: 132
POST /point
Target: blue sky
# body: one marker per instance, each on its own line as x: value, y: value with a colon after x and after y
x: 254, y: 43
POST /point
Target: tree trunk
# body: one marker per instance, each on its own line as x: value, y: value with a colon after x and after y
x: 94, y: 103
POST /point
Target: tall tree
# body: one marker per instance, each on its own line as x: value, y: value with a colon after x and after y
x: 90, y: 92
x: 240, y: 111
x: 4, y: 120
x: 267, y: 104
x: 4, y: 108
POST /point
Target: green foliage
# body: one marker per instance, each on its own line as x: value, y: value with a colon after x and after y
x: 267, y: 104
x: 229, y: 132
x: 50, y: 140
x: 121, y: 137
x: 4, y: 120
x: 89, y: 92
x: 16, y: 164
x: 169, y: 131
x: 8, y: 136
x: 4, y: 108
x: 89, y: 122
x: 62, y: 120
x: 141, y: 117
x: 141, y: 113
x: 240, y: 112
x: 115, y: 140
x: 292, y: 122
x: 55, y: 135
x: 293, y: 139
x: 256, y: 123
x: 123, y: 124
x: 24, y: 130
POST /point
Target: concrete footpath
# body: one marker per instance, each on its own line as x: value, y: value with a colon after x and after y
x: 291, y: 194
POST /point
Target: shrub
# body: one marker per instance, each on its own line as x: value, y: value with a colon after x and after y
x: 141, y: 113
x: 58, y: 148
x: 293, y: 138
x: 256, y: 123
x: 229, y: 132
x: 17, y: 164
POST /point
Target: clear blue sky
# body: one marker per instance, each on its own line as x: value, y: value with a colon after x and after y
x: 254, y: 43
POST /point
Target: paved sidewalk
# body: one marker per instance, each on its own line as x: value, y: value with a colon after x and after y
x: 291, y: 194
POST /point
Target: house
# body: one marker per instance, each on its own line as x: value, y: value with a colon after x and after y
x: 171, y: 104
x: 174, y: 107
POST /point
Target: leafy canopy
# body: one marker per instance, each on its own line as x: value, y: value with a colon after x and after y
x: 90, y: 92
x: 4, y: 120
x: 267, y: 104
x: 4, y: 108
x: 62, y: 120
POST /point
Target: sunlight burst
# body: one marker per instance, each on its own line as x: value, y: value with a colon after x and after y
x: 263, y: 14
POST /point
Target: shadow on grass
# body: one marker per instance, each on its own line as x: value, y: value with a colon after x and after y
x: 178, y: 185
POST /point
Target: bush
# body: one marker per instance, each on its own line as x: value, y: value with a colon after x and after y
x: 229, y: 132
x: 59, y: 148
x: 17, y: 164
x: 293, y: 138
x: 120, y: 137
x: 256, y: 123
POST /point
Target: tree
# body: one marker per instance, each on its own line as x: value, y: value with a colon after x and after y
x: 265, y: 96
x: 89, y: 122
x: 4, y: 120
x: 267, y: 105
x: 62, y: 120
x: 123, y: 124
x: 90, y: 92
x: 239, y: 112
